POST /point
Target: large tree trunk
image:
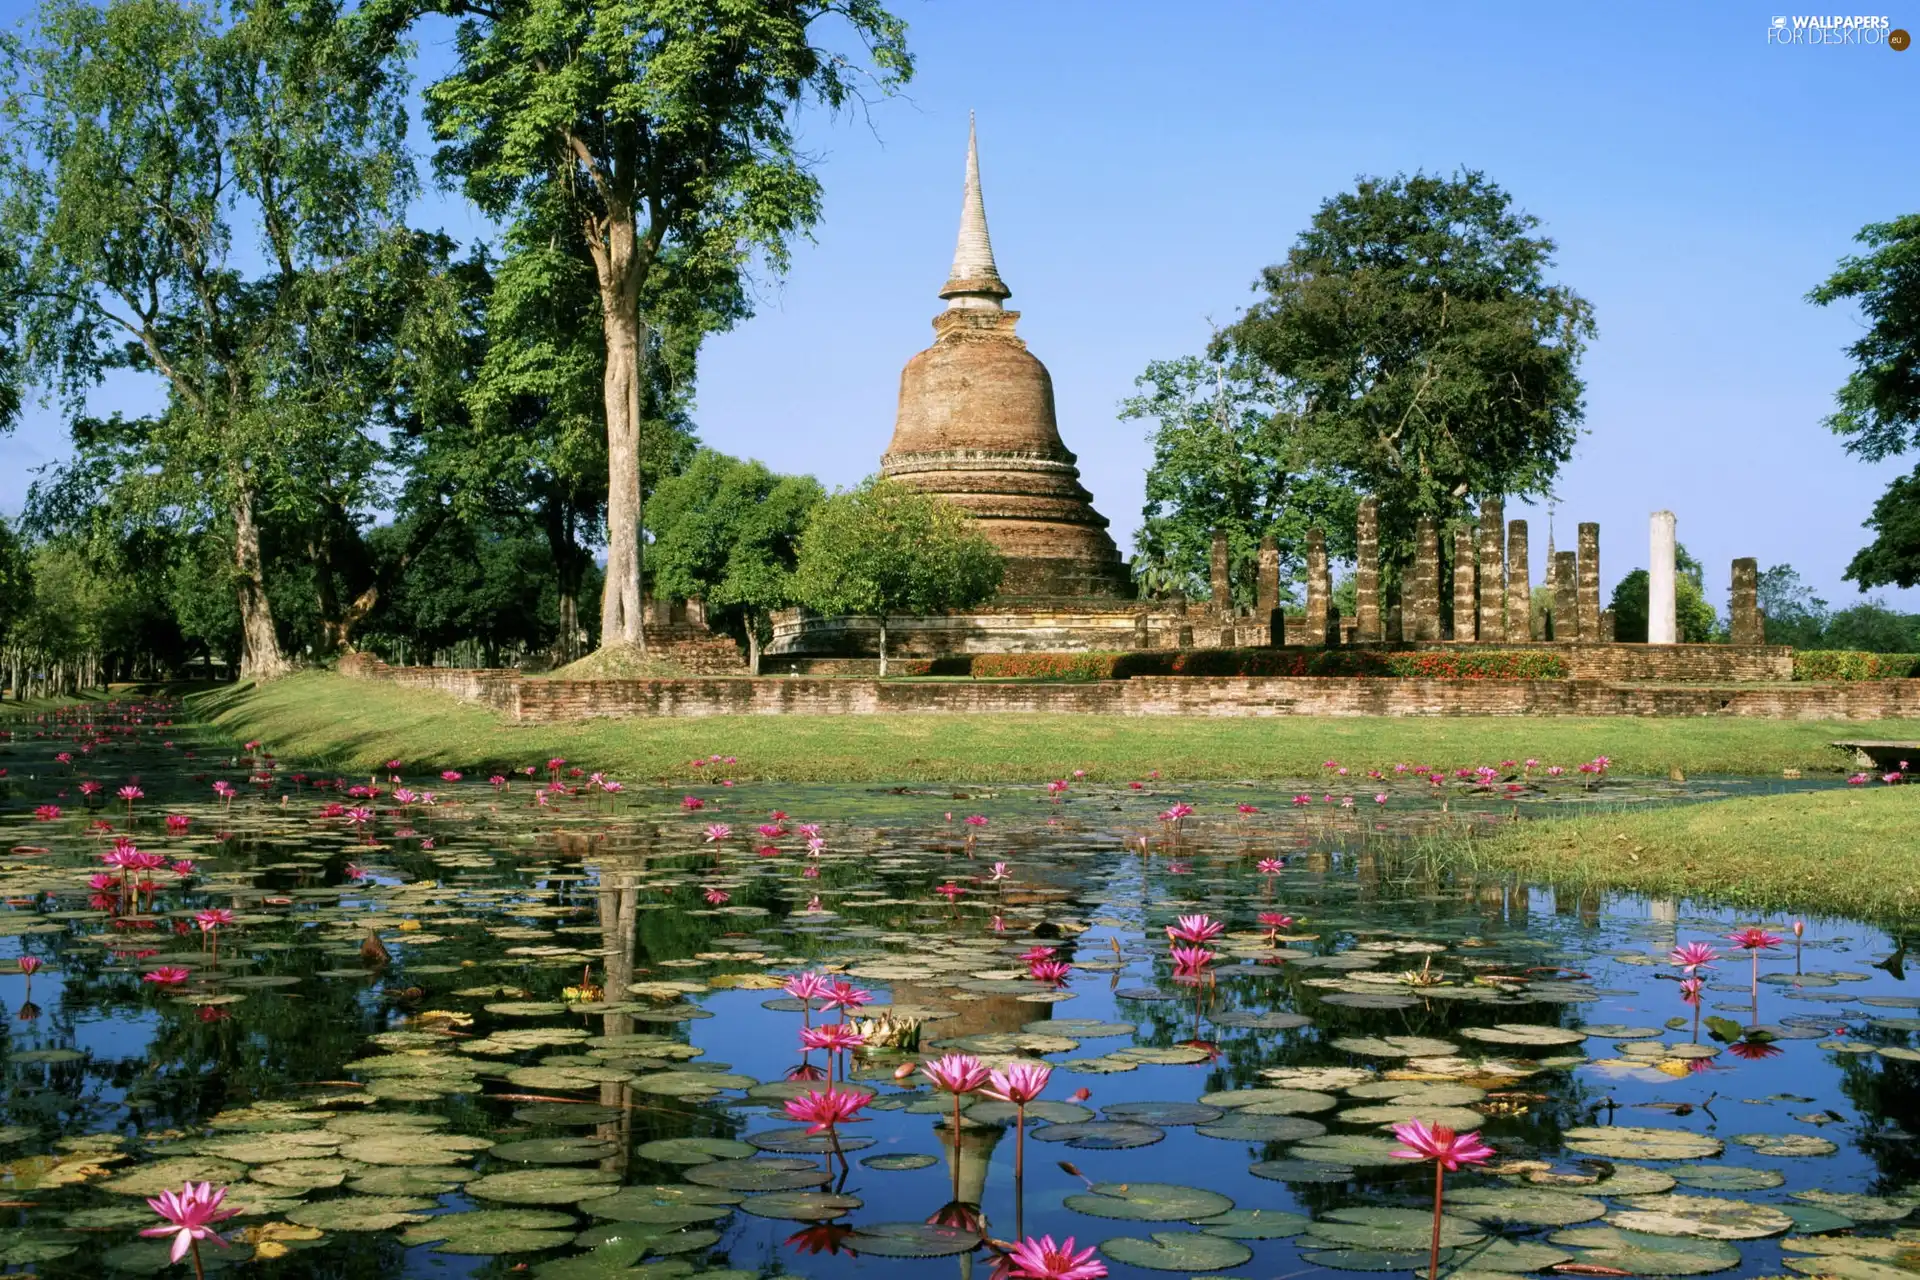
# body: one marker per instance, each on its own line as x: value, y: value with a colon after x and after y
x: 569, y: 568
x: 259, y: 646
x: 753, y: 644
x: 333, y: 623
x: 619, y: 277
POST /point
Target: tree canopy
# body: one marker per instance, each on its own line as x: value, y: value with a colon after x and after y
x: 1226, y: 455
x: 662, y: 130
x: 885, y: 549
x: 729, y: 532
x: 1421, y: 347
x: 1878, y: 407
x: 1693, y: 613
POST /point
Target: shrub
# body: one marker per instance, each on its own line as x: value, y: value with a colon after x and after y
x: 1853, y: 664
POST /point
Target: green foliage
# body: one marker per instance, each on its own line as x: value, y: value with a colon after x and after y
x: 1697, y: 622
x: 1874, y: 628
x: 1879, y: 404
x: 1893, y: 557
x: 1422, y: 349
x: 729, y: 531
x: 1226, y: 456
x: 206, y: 194
x: 474, y: 583
x: 16, y: 576
x: 660, y: 132
x: 1844, y: 664
x: 885, y: 549
x: 1794, y: 615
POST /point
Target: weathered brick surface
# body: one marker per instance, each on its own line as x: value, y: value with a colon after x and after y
x: 547, y: 701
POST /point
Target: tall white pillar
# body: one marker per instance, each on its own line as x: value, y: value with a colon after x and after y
x: 1663, y: 626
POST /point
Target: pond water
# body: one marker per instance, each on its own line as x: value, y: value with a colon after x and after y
x: 490, y: 1031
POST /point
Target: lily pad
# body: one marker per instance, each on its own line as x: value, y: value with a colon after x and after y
x: 1253, y: 1224
x: 1860, y: 1207
x: 492, y: 1231
x: 901, y: 1162
x: 572, y: 1150
x: 776, y: 1173
x: 1100, y: 1135
x: 1273, y: 1101
x: 1524, y: 1034
x: 1786, y: 1144
x: 665, y: 1206
x: 362, y: 1213
x: 800, y: 1206
x: 1394, y: 1046
x: 1240, y: 1126
x: 1301, y: 1171
x: 1630, y: 1142
x: 1726, y: 1177
x: 1382, y: 1227
x: 1702, y: 1217
x: 545, y: 1186
x: 1149, y: 1202
x: 1172, y: 1114
x: 912, y: 1240
x: 1647, y: 1255
x: 1355, y: 1151
x: 1524, y: 1206
x: 1189, y: 1251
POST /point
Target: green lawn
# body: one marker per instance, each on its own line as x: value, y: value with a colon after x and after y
x: 1854, y: 852
x: 322, y: 717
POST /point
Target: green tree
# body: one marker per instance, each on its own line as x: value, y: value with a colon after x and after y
x: 1878, y: 407
x: 1873, y: 627
x: 885, y: 549
x: 1430, y: 358
x: 1227, y: 455
x: 205, y: 193
x: 1794, y: 615
x: 1694, y: 615
x: 729, y: 532
x: 664, y: 128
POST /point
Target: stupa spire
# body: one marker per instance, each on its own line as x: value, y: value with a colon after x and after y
x: 975, y: 280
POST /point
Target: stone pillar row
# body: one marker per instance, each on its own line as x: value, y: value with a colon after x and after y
x: 1366, y: 573
x: 1493, y: 573
x: 1466, y: 594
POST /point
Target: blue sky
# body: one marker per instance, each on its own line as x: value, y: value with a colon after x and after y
x: 1142, y: 163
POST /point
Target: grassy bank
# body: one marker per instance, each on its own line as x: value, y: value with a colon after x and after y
x: 354, y: 724
x: 1854, y: 852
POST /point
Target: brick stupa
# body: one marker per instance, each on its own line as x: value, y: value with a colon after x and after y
x: 976, y: 426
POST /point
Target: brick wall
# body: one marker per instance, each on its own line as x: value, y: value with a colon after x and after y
x: 1683, y: 663
x: 547, y: 701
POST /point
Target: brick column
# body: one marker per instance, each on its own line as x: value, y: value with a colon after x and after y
x: 1493, y: 572
x: 1267, y: 591
x: 1466, y: 596
x: 1423, y: 610
x: 1566, y: 596
x: 1319, y: 588
x: 1366, y: 572
x: 1519, y: 588
x: 1746, y: 624
x: 1590, y: 582
x: 1222, y: 584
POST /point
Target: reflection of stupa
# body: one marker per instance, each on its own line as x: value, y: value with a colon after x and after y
x: 976, y: 426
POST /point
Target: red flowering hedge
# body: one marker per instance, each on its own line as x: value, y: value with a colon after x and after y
x: 1847, y: 664
x: 1463, y: 664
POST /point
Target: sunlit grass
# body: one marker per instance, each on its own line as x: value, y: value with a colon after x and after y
x: 320, y: 717
x: 1852, y: 852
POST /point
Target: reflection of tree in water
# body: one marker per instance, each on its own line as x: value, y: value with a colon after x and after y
x: 1886, y: 1093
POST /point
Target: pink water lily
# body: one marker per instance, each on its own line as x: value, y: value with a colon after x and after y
x: 190, y: 1213
x: 1039, y: 1258
x: 1448, y: 1151
x: 1195, y: 929
x: 1693, y: 956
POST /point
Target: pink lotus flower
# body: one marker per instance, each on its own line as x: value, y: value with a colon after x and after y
x: 1275, y: 921
x: 358, y: 817
x: 1191, y: 959
x: 1380, y: 798
x: 975, y: 820
x: 216, y: 918
x: 998, y: 924
x: 1176, y: 812
x: 450, y: 775
x: 89, y: 788
x: 1690, y: 990
x: 1039, y: 1258
x: 956, y: 1073
x: 999, y: 873
x: 182, y: 867
x: 834, y: 1037
x: 717, y: 832
x: 1440, y: 1144
x: 29, y: 965
x: 1018, y: 1082
x: 716, y: 896
x: 167, y: 975
x: 824, y: 1111
x: 950, y: 891
x: 190, y: 1213
x: 1054, y: 972
x: 692, y: 803
x: 177, y: 824
x: 1032, y: 954
x: 1247, y: 810
x: 1754, y: 939
x: 1693, y: 957
x: 46, y: 812
x: 807, y: 986
x: 1269, y: 866
x: 1057, y: 786
x: 1195, y: 929
x: 844, y: 995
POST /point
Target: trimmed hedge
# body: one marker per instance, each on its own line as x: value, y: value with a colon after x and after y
x: 1489, y: 664
x: 1849, y: 664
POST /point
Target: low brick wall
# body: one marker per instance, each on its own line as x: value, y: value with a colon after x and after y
x: 1681, y: 663
x: 543, y: 701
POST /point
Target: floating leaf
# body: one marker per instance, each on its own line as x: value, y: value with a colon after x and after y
x: 1704, y: 1217
x: 1149, y: 1202
x: 1100, y: 1135
x: 545, y: 1186
x: 1628, y: 1142
x: 1524, y: 1206
x: 1522, y: 1033
x: 1189, y: 1251
x: 1786, y: 1144
x: 362, y: 1213
x: 912, y: 1240
x: 1394, y: 1046
x: 1647, y: 1255
x: 1253, y: 1224
x: 800, y: 1206
x: 1381, y: 1227
x: 776, y: 1173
